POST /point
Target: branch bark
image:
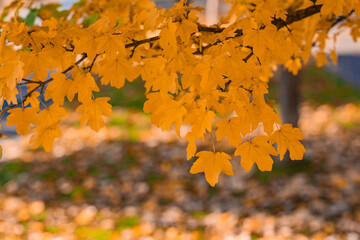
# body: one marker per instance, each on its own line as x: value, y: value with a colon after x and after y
x: 279, y: 23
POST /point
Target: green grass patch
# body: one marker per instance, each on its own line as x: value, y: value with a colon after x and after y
x: 306, y: 232
x: 70, y: 173
x: 127, y: 162
x: 239, y: 194
x: 86, y: 233
x: 213, y: 191
x: 353, y: 126
x: 52, y: 229
x: 68, y: 160
x: 77, y: 191
x: 119, y: 121
x: 131, y: 95
x: 320, y: 86
x: 94, y: 170
x: 199, y: 214
x: 165, y: 201
x: 10, y: 171
x: 153, y: 178
x: 127, y: 222
x: 39, y: 217
x: 133, y: 133
x: 50, y: 174
x: 25, y: 225
x: 285, y: 169
x: 255, y: 236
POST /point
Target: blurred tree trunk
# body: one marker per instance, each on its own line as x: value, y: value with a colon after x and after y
x: 289, y: 95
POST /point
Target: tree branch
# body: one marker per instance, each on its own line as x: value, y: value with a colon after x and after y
x: 279, y: 23
x: 139, y: 42
x: 297, y: 16
x: 40, y: 86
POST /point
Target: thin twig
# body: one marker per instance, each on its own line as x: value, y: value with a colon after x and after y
x: 93, y: 62
x: 212, y: 141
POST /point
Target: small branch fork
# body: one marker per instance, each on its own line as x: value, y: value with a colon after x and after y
x: 40, y: 85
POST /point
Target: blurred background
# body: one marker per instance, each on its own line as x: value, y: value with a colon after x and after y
x: 131, y: 180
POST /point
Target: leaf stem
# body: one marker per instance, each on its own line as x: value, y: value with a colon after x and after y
x: 212, y: 142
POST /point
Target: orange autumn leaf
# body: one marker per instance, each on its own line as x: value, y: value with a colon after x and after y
x: 45, y: 136
x: 287, y: 138
x: 115, y: 71
x: 22, y: 118
x: 231, y: 129
x: 212, y: 164
x: 257, y: 150
x: 93, y: 112
x: 84, y: 84
x: 59, y: 88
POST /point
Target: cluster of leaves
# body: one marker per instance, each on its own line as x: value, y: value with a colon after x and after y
x: 191, y: 71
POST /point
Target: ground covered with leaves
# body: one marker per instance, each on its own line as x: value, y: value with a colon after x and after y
x: 129, y: 182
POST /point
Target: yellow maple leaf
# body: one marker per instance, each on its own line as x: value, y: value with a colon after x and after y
x: 22, y: 118
x: 115, y: 71
x: 150, y: 68
x: 83, y: 84
x: 155, y: 99
x: 264, y: 12
x: 3, y: 36
x: 170, y: 112
x: 255, y: 112
x: 149, y: 17
x: 191, y: 147
x: 321, y: 59
x: 166, y: 82
x: 189, y: 77
x: 334, y: 57
x: 38, y: 63
x: 212, y: 164
x: 168, y: 38
x: 59, y: 88
x: 201, y: 121
x: 185, y: 28
x: 294, y: 65
x: 12, y: 72
x: 331, y: 7
x: 259, y: 39
x: 52, y: 24
x: 62, y: 63
x: 45, y: 135
x: 87, y: 43
x: 231, y: 129
x: 33, y: 100
x: 258, y: 151
x: 287, y: 138
x: 93, y: 111
x: 51, y: 115
x: 7, y: 94
x: 211, y: 69
x: 112, y: 44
